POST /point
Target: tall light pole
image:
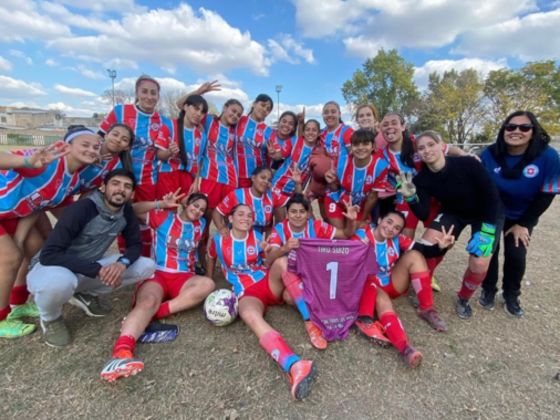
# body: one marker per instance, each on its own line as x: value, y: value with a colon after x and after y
x: 278, y: 90
x: 112, y: 75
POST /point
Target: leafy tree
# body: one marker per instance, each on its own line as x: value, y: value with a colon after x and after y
x: 385, y: 81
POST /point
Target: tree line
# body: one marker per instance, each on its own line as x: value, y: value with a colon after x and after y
x: 464, y: 106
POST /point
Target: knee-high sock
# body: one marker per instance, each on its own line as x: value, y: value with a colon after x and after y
x: 394, y: 330
x: 422, y: 283
x: 367, y: 301
x: 433, y: 263
x: 471, y: 281
x: 163, y: 311
x: 124, y: 342
x: 5, y: 312
x: 19, y: 295
x: 294, y: 285
x: 275, y: 345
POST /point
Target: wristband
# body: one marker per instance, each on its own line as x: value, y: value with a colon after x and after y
x: 411, y: 199
x: 27, y: 164
x: 157, y: 205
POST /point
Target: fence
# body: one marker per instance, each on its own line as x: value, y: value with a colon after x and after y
x: 16, y: 139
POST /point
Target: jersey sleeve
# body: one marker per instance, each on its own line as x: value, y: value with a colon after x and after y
x: 206, y: 122
x: 324, y: 230
x: 276, y: 236
x: 347, y: 137
x: 212, y: 251
x: 288, y: 146
x: 155, y: 218
x: 228, y: 203
x: 109, y: 120
x: 359, y: 235
x: 381, y: 174
x: 405, y: 243
x: 278, y: 199
x: 552, y: 172
x: 164, y: 137
x: 29, y: 172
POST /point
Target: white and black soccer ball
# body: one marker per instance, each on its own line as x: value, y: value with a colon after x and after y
x: 220, y: 307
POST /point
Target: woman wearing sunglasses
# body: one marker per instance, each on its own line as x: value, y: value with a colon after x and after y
x: 525, y: 170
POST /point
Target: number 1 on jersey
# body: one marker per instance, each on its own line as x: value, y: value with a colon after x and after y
x: 333, y: 268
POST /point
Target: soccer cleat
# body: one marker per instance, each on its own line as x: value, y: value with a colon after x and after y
x: 315, y: 335
x: 55, y: 333
x: 512, y: 307
x: 26, y: 310
x: 435, y: 286
x: 301, y: 376
x: 159, y: 333
x: 373, y: 331
x: 410, y: 356
x: 463, y: 308
x: 123, y: 364
x: 433, y: 319
x: 90, y: 304
x: 486, y: 299
x: 13, y: 328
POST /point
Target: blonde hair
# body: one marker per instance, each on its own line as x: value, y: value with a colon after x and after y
x: 373, y: 110
x: 434, y: 135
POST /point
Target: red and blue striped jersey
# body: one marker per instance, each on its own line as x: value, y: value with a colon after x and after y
x: 250, y: 145
x: 194, y: 142
x: 23, y: 191
x: 175, y: 242
x: 295, y: 151
x: 285, y: 145
x: 336, y: 142
x: 241, y: 260
x: 356, y: 183
x: 263, y: 208
x: 146, y: 129
x: 313, y: 229
x: 92, y: 176
x: 218, y: 163
x: 387, y: 252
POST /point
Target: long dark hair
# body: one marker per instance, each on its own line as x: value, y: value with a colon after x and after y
x: 193, y: 100
x: 312, y: 121
x: 337, y: 107
x: 230, y: 102
x: 407, y: 148
x: 538, y: 142
x: 294, y: 116
x: 263, y: 97
x: 124, y: 155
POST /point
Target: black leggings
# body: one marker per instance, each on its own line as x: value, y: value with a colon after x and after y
x: 514, y: 265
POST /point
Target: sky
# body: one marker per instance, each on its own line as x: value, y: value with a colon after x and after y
x: 55, y: 54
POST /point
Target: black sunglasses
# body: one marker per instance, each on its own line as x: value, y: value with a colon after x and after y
x: 524, y: 128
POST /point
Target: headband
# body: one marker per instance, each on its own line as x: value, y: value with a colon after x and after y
x: 147, y: 79
x: 71, y: 135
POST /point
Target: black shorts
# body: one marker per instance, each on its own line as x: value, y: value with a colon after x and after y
x: 447, y: 220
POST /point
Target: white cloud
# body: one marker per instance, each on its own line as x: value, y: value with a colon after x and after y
x: 74, y: 92
x: 170, y: 70
x: 51, y: 62
x: 281, y: 49
x: 21, y: 54
x: 20, y: 20
x: 24, y: 104
x: 422, y: 73
x: 102, y: 5
x: 120, y: 64
x: 529, y: 38
x: 16, y: 89
x: 279, y: 53
x: 90, y: 74
x: 5, y: 65
x: 201, y: 40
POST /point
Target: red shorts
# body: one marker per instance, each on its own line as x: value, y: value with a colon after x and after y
x: 215, y: 191
x: 411, y: 221
x: 244, y: 183
x: 169, y: 182
x: 144, y: 192
x: 334, y: 210
x: 171, y: 283
x: 389, y: 289
x: 8, y: 226
x: 261, y: 291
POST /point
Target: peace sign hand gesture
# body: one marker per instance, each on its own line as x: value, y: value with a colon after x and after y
x: 295, y: 173
x: 44, y: 156
x: 405, y: 186
x: 265, y: 243
x: 171, y: 200
x: 447, y: 239
x: 351, y: 211
x: 209, y: 87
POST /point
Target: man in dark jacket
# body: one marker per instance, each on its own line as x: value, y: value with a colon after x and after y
x: 73, y: 267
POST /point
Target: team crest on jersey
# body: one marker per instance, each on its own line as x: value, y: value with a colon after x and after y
x: 155, y: 126
x: 197, y: 229
x: 416, y: 157
x: 531, y: 171
x: 259, y: 132
x: 251, y: 250
x: 131, y: 122
x: 369, y: 179
x: 268, y: 209
x: 391, y: 252
x: 497, y: 170
x: 37, y: 201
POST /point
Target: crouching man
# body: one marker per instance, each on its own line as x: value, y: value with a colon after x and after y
x: 73, y: 267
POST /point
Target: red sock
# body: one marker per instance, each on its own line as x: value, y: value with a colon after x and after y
x: 367, y: 301
x: 146, y: 236
x: 471, y: 281
x: 433, y: 263
x: 19, y: 295
x: 275, y: 345
x: 5, y: 312
x: 394, y: 329
x: 422, y: 283
x: 124, y: 342
x: 163, y: 310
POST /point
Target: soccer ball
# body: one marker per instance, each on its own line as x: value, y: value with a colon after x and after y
x: 220, y: 307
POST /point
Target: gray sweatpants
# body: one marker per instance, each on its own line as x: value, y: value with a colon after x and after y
x: 53, y: 286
